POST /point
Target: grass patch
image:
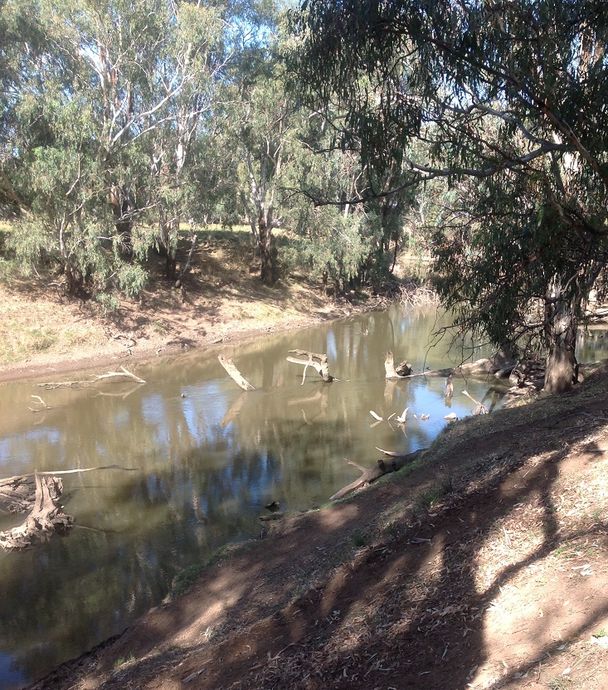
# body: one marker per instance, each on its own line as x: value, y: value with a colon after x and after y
x: 123, y: 660
x: 426, y: 499
x: 185, y: 579
x: 21, y: 342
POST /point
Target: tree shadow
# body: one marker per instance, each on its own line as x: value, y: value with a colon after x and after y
x: 408, y: 610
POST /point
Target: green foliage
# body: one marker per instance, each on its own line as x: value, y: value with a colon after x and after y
x: 505, y: 102
x: 185, y: 579
x: 120, y: 121
x: 109, y: 303
x: 332, y: 245
x: 132, y: 279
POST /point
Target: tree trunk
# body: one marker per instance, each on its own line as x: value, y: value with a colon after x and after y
x: 268, y: 270
x: 47, y: 517
x: 122, y: 209
x: 74, y: 280
x: 560, y: 331
x: 169, y: 236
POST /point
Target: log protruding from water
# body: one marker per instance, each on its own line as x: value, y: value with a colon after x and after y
x: 402, y: 370
x: 122, y: 373
x: 45, y: 519
x: 311, y: 359
x: 480, y: 368
x: 371, y: 474
x: 234, y: 373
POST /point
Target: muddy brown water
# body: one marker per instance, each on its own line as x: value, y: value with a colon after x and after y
x: 208, y: 458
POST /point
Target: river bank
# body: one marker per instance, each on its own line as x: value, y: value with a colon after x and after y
x: 45, y: 333
x: 483, y: 566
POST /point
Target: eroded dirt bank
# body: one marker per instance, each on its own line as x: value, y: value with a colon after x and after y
x: 484, y: 567
x: 44, y: 334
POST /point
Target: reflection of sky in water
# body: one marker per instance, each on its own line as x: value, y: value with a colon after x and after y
x: 121, y: 418
x: 18, y: 451
x: 204, y: 407
x: 154, y: 413
x: 208, y: 462
x: 332, y: 351
x: 45, y: 434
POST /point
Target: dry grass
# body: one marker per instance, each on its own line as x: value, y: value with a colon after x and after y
x: 222, y: 298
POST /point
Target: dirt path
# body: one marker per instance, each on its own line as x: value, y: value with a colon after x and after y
x: 485, y: 567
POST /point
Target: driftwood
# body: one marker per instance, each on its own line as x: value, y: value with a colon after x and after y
x: 44, y: 407
x: 484, y: 367
x: 122, y: 373
x: 46, y: 518
x: 17, y: 494
x: 235, y: 374
x: 400, y: 371
x: 311, y: 359
x: 371, y: 474
x: 480, y: 408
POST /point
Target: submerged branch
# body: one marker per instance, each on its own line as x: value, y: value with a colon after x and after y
x: 381, y: 468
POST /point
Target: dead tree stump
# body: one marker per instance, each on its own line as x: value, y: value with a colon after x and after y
x: 46, y: 518
x: 396, y: 372
x: 312, y: 359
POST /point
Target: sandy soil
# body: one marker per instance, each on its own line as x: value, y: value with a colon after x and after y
x: 485, y: 566
x: 44, y: 332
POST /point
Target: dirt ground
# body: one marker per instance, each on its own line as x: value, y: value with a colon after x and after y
x: 42, y: 331
x: 485, y: 566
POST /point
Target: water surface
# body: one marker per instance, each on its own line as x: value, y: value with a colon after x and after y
x: 208, y: 458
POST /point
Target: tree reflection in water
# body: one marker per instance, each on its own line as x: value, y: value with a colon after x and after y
x: 209, y: 457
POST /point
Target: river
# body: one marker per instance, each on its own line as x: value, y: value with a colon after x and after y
x: 208, y: 457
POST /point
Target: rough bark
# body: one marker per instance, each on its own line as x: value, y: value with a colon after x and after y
x: 169, y: 229
x: 47, y: 517
x: 268, y: 255
x: 17, y: 494
x: 561, y: 370
x: 396, y: 372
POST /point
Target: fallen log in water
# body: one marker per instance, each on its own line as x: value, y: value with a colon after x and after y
x: 371, y: 474
x: 121, y: 374
x: 45, y: 519
x: 311, y: 359
x: 484, y: 367
x: 235, y: 374
x: 479, y: 408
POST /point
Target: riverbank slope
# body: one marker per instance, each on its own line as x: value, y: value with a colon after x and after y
x: 482, y: 566
x: 42, y: 331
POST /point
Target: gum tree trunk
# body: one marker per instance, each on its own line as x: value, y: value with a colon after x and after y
x: 560, y: 332
x: 268, y: 268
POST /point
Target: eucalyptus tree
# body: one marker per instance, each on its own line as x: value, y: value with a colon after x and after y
x: 194, y: 56
x: 508, y: 99
x: 81, y: 105
x: 107, y: 98
x: 264, y: 122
